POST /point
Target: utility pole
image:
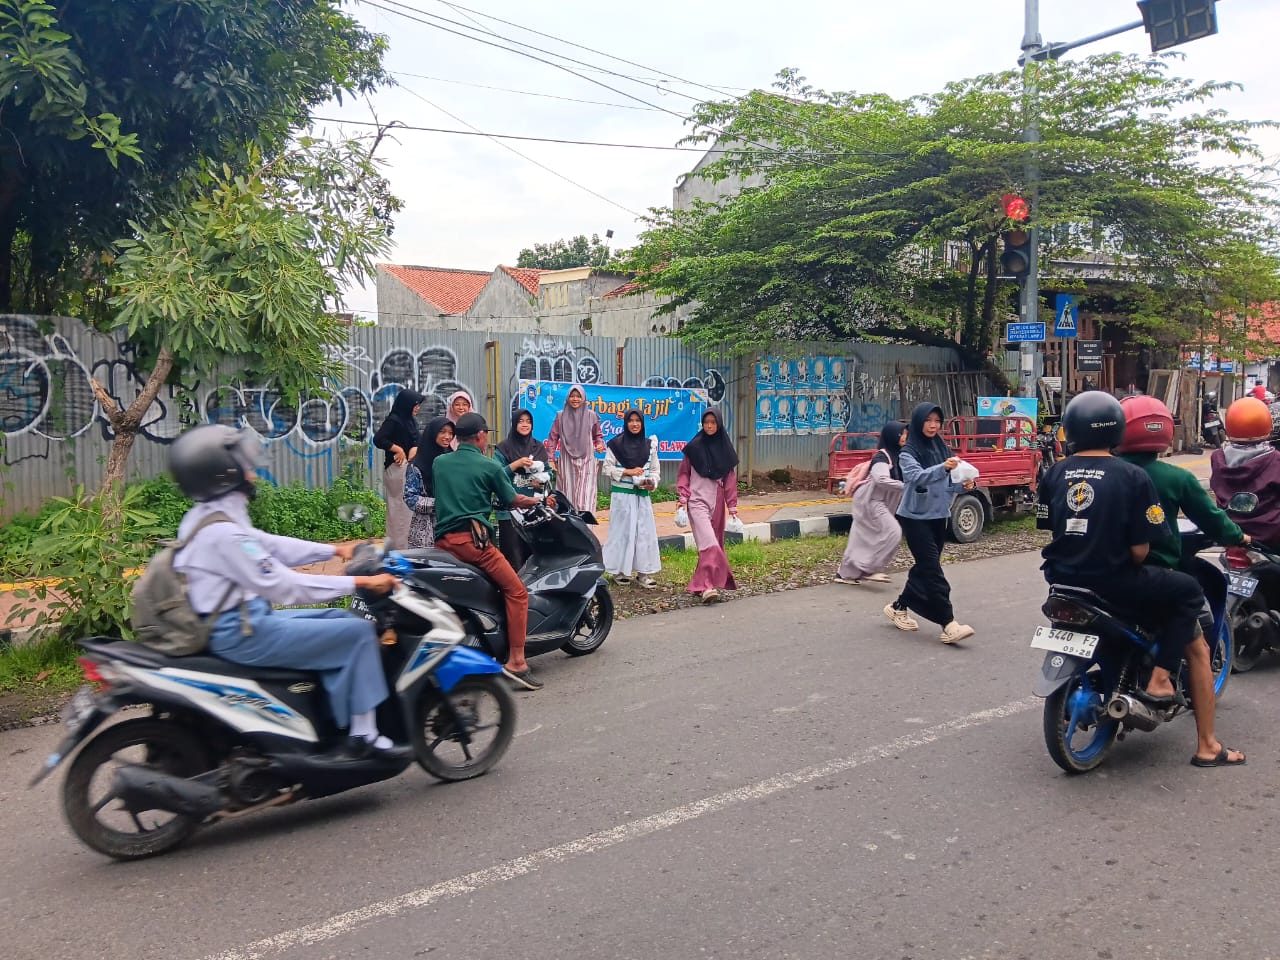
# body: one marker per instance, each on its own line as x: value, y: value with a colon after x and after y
x: 1031, y: 45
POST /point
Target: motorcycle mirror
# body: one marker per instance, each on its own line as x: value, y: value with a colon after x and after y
x: 353, y: 513
x: 1243, y: 503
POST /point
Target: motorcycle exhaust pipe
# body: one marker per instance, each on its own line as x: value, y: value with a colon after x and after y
x: 141, y: 788
x: 1132, y: 712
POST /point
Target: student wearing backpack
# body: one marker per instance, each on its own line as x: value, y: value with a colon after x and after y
x: 874, y: 534
x: 234, y: 573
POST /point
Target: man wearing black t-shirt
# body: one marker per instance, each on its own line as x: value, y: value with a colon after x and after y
x: 1104, y: 514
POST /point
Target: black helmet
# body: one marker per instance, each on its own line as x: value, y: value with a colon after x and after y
x: 211, y: 460
x: 468, y: 425
x: 1094, y: 420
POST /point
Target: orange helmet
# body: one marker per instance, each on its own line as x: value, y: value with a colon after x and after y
x: 1148, y: 425
x: 1248, y: 420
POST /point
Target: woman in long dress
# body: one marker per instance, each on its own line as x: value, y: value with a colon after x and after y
x: 708, y: 488
x: 398, y: 437
x: 874, y: 535
x: 459, y: 402
x: 631, y: 464
x: 518, y: 452
x: 419, y: 487
x: 575, y: 440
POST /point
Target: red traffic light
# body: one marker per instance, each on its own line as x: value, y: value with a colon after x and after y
x: 1015, y: 207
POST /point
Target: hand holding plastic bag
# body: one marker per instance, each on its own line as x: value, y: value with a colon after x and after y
x: 682, y: 517
x: 964, y: 472
x: 734, y: 525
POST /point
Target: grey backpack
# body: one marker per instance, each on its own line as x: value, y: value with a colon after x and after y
x: 163, y: 618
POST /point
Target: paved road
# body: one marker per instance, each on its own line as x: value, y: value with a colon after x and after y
x: 778, y: 777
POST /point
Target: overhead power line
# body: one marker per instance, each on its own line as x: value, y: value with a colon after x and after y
x: 527, y: 93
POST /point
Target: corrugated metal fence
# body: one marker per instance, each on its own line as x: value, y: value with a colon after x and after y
x: 54, y: 434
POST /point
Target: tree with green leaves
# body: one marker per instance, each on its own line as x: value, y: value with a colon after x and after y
x: 110, y: 108
x: 881, y: 218
x: 245, y: 277
x: 563, y: 254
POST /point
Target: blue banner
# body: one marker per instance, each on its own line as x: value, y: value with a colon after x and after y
x: 674, y: 416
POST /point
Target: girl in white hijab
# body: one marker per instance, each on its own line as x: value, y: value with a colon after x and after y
x: 575, y: 439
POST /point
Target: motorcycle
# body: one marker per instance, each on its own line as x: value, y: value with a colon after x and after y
x: 219, y: 740
x: 1096, y: 662
x: 1211, y: 428
x: 570, y: 607
x: 1253, y: 606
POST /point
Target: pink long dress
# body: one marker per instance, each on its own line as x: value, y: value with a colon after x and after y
x: 708, y: 500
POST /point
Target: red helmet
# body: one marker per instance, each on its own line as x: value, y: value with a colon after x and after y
x: 1148, y: 426
x: 1248, y: 420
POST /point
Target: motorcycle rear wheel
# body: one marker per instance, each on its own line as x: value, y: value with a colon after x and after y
x: 1073, y: 747
x: 488, y: 714
x: 1249, y: 645
x: 160, y: 744
x: 594, y: 625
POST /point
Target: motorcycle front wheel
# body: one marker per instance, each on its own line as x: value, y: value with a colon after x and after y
x: 94, y: 812
x: 464, y: 733
x: 1077, y: 730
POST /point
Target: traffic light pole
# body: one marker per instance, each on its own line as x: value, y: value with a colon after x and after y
x: 1030, y: 307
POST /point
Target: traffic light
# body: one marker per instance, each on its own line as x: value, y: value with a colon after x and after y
x: 1171, y: 22
x: 1016, y: 258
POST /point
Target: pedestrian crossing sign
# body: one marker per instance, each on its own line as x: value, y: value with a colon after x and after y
x: 1066, y: 316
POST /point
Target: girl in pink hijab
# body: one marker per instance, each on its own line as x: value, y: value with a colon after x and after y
x: 459, y: 402
x: 575, y: 440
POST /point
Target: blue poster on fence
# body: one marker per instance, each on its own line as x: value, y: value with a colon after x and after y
x: 674, y: 416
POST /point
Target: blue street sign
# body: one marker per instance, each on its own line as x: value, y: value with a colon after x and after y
x: 1067, y: 316
x: 1018, y: 332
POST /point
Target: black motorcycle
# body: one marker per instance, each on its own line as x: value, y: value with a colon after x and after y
x: 1211, y: 428
x: 570, y: 607
x: 216, y: 740
x: 1253, y: 573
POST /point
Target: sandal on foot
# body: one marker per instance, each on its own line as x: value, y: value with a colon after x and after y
x: 621, y: 581
x: 1161, y: 702
x: 648, y: 583
x: 847, y: 580
x: 879, y: 578
x: 1223, y: 759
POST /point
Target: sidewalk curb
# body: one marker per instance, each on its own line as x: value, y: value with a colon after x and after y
x: 767, y: 532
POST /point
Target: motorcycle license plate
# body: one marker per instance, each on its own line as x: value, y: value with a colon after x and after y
x: 1065, y: 641
x: 361, y: 609
x: 1241, y: 585
x: 78, y: 709
x: 1212, y: 423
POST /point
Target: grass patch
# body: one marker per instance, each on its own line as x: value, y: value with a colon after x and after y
x: 47, y: 666
x: 1012, y: 523
x: 756, y: 562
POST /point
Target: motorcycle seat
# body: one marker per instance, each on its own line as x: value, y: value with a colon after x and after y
x: 1084, y: 595
x: 140, y: 656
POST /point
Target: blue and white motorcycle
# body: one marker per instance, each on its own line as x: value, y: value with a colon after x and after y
x: 205, y: 740
x: 1096, y: 662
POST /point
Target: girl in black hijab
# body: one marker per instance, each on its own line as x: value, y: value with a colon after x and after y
x: 419, y: 484
x: 517, y: 452
x: 708, y: 488
x: 631, y: 464
x: 398, y: 437
x: 874, y: 532
x: 924, y: 515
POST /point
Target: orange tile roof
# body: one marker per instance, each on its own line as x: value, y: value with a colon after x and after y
x: 631, y: 286
x: 527, y: 277
x: 452, y: 291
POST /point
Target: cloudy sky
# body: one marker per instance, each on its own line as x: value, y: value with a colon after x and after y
x: 472, y: 203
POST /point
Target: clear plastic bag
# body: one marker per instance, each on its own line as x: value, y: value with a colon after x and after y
x: 964, y: 472
x: 734, y: 525
x: 682, y: 518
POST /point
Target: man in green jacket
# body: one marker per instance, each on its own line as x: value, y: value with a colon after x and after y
x: 467, y: 484
x: 1148, y: 432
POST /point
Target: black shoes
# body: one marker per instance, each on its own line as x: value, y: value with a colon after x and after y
x: 358, y: 748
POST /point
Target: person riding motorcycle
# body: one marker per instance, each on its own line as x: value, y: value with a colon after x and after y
x: 234, y: 572
x: 1105, y: 514
x: 467, y: 484
x: 1245, y: 471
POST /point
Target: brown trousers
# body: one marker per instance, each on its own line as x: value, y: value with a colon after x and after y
x: 497, y: 569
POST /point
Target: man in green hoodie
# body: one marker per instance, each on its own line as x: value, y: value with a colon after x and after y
x: 1148, y: 432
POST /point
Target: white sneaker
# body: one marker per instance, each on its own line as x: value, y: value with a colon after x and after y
x: 955, y: 632
x: 900, y: 618
x: 710, y: 596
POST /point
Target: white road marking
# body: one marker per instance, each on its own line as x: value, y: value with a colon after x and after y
x: 344, y: 923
